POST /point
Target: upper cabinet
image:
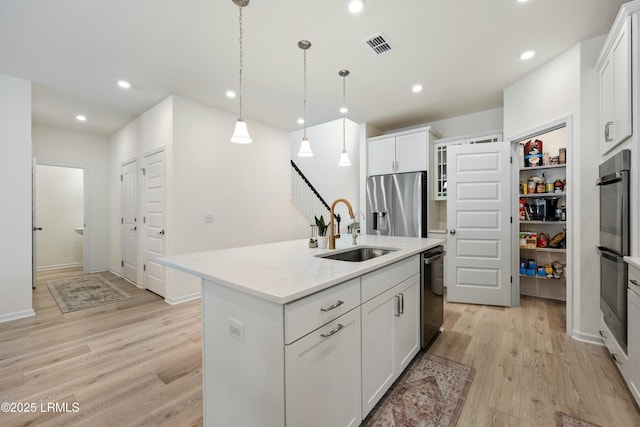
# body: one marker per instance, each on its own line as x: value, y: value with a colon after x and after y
x: 406, y: 151
x: 614, y: 70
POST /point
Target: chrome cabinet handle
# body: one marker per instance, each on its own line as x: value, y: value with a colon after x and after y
x: 37, y: 228
x: 607, y: 132
x: 333, y: 331
x: 331, y: 307
x: 393, y: 166
x: 401, y: 303
x: 397, y: 298
x: 615, y: 358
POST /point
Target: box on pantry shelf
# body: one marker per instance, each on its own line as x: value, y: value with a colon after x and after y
x: 528, y: 240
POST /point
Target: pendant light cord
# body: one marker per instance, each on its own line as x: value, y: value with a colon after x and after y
x: 344, y: 104
x: 241, y: 63
x: 304, y: 109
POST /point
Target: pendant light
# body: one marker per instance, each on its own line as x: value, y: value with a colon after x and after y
x: 344, y: 157
x: 241, y: 133
x: 305, y: 148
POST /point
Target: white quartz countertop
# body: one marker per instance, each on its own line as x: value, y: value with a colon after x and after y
x: 286, y: 271
x: 633, y: 261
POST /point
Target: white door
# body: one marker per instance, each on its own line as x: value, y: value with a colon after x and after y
x: 478, y: 221
x: 154, y: 170
x: 34, y: 225
x: 129, y: 221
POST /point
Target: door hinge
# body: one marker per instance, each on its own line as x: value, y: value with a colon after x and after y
x: 511, y: 281
x: 144, y: 219
x: 122, y: 263
x: 510, y: 159
x: 144, y: 267
x: 121, y: 220
x: 144, y: 171
x: 121, y: 178
x: 511, y: 220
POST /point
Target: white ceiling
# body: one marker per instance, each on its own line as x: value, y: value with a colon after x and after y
x: 464, y: 53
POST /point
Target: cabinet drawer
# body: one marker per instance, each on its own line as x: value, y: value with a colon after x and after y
x: 378, y: 281
x: 619, y: 357
x: 309, y: 313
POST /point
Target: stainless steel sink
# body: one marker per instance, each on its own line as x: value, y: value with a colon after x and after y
x: 358, y: 254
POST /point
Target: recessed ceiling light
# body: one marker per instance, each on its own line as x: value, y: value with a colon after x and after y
x: 356, y: 6
x: 124, y: 84
x: 416, y: 88
x: 522, y: 1
x: 528, y: 54
x: 301, y: 121
x: 231, y: 94
x: 81, y: 118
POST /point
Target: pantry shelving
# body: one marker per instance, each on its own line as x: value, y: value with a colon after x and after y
x: 542, y: 195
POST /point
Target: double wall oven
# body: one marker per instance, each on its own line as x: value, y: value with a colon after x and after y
x: 614, y: 242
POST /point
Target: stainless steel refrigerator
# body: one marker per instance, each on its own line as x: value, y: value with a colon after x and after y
x: 397, y: 204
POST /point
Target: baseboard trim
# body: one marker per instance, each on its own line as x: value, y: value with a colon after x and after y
x: 587, y: 338
x: 180, y: 300
x: 59, y: 266
x: 17, y: 315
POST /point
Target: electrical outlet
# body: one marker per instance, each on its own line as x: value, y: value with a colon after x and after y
x: 208, y: 219
x: 236, y: 329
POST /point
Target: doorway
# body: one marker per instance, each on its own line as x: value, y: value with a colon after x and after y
x: 59, y: 212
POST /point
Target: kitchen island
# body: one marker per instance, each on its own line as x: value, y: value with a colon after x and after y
x: 290, y: 338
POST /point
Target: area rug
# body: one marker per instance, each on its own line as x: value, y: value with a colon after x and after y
x: 431, y: 392
x: 565, y: 420
x: 79, y: 293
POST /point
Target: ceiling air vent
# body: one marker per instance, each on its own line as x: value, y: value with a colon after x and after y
x: 378, y: 43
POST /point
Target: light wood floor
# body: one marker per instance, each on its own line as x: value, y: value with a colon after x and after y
x: 138, y: 362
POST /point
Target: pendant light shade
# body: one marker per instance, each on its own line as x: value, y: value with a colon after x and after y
x: 241, y: 133
x: 305, y: 147
x: 344, y: 157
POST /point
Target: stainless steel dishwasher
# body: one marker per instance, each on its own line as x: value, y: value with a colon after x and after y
x: 431, y: 304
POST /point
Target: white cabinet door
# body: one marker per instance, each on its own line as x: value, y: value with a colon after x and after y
x: 633, y: 330
x: 377, y: 348
x: 412, y: 152
x: 622, y: 84
x: 322, y: 372
x: 407, y: 324
x: 381, y: 156
x: 615, y: 91
x: 390, y: 338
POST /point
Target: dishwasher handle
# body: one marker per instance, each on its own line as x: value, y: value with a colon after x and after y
x: 433, y: 258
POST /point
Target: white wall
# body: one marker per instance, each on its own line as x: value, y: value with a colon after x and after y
x: 15, y: 180
x: 53, y: 146
x: 59, y: 211
x: 322, y: 170
x: 244, y: 187
x: 482, y: 121
x: 567, y: 86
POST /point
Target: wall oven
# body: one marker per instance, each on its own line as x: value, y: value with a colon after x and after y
x: 614, y: 242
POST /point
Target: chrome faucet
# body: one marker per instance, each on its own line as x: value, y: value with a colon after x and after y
x: 354, y: 229
x: 332, y: 235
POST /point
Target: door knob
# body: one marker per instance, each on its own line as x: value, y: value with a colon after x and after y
x: 452, y: 231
